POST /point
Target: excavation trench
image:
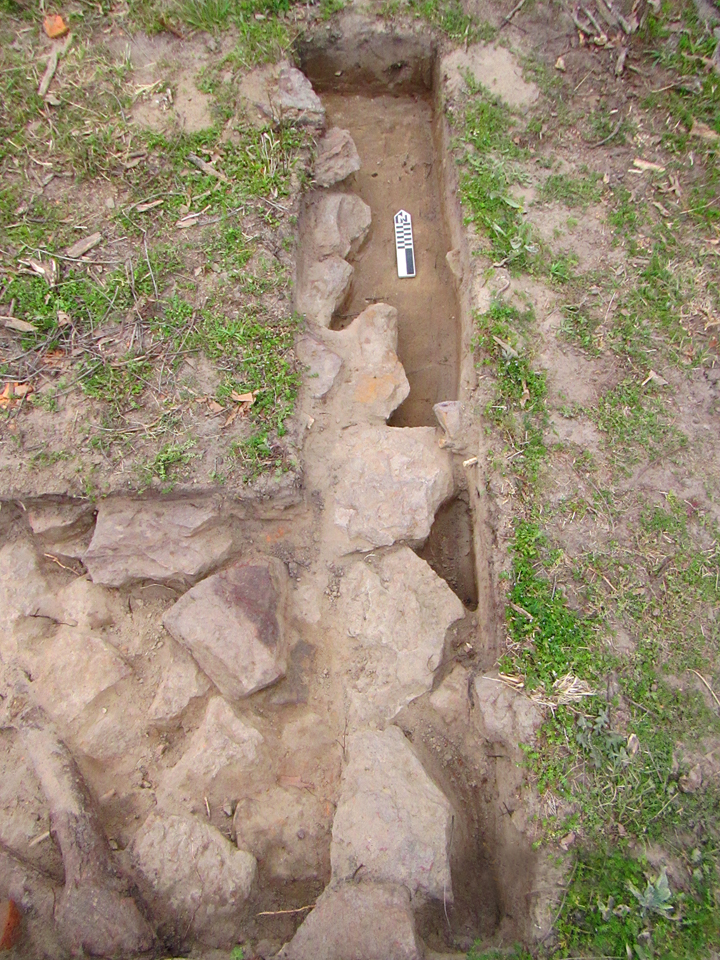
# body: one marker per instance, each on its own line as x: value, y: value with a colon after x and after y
x: 260, y: 775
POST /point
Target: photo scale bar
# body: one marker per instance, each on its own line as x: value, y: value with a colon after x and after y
x: 404, y: 249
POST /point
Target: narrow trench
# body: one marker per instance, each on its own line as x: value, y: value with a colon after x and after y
x: 395, y: 141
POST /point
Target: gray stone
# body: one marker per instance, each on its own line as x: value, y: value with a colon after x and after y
x: 390, y: 482
x: 391, y: 819
x: 396, y: 613
x: 338, y: 223
x: 55, y: 522
x: 374, y: 383
x: 449, y: 414
x: 222, y: 743
x: 296, y: 99
x: 322, y: 288
x: 323, y: 365
x: 337, y: 158
x: 365, y: 921
x: 194, y: 879
x: 69, y: 669
x: 155, y: 540
x: 232, y: 624
x: 181, y: 682
x: 506, y: 715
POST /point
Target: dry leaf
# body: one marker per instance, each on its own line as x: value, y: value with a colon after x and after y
x: 647, y: 165
x: 656, y: 378
x: 525, y: 396
x: 560, y: 65
x: 63, y: 318
x: 14, y: 391
x: 215, y: 406
x: 243, y: 397
x: 702, y: 130
x: 54, y: 26
x: 81, y: 247
x: 22, y: 326
x: 232, y: 417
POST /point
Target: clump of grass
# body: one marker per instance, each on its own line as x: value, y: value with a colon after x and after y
x: 636, y: 420
x: 166, y: 461
x: 450, y: 17
x: 572, y: 191
x: 488, y: 175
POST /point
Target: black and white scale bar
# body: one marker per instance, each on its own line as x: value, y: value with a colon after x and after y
x: 404, y: 244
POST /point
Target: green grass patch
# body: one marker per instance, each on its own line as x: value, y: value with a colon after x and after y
x: 572, y: 191
x: 637, y: 422
x: 489, y: 171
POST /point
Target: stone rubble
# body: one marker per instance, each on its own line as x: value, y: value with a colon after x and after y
x: 322, y: 365
x: 338, y: 223
x: 195, y: 881
x: 322, y: 288
x: 374, y: 382
x: 390, y: 482
x: 155, y: 540
x: 337, y: 158
x: 392, y: 824
x: 357, y: 921
x: 181, y: 682
x: 396, y: 613
x: 222, y: 744
x: 232, y: 624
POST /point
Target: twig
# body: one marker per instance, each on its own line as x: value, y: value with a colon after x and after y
x: 516, y: 9
x: 206, y: 168
x: 712, y: 692
x: 278, y: 913
x: 49, y: 72
x: 600, y: 143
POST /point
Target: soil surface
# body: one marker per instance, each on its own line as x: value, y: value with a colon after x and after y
x: 394, y: 138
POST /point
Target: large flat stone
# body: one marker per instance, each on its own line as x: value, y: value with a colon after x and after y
x: 221, y: 744
x: 357, y: 921
x: 145, y: 540
x: 181, y: 682
x: 296, y: 99
x: 390, y: 482
x: 391, y: 819
x: 374, y: 382
x: 337, y: 223
x: 337, y: 158
x: 507, y: 716
x: 396, y: 613
x: 322, y: 287
x: 232, y: 624
x: 323, y: 365
x: 195, y: 881
x: 69, y: 669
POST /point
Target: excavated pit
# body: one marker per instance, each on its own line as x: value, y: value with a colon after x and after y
x: 132, y: 744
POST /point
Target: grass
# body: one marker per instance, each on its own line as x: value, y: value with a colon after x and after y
x: 490, y: 169
x: 571, y: 191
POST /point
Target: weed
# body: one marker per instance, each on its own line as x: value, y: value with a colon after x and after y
x: 170, y: 456
x: 489, y: 174
x: 450, y: 17
x: 562, y: 268
x: 634, y: 419
x: 572, y: 191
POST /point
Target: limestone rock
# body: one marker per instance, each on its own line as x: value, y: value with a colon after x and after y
x: 365, y: 921
x: 181, y: 682
x: 297, y: 101
x: 69, y: 670
x: 391, y: 818
x: 55, y: 522
x: 195, y: 880
x: 281, y: 92
x: 375, y: 383
x: 285, y: 829
x: 396, y: 613
x: 222, y: 742
x: 507, y: 716
x: 232, y: 624
x: 88, y: 605
x: 449, y: 414
x: 337, y: 157
x: 322, y: 288
x: 390, y: 482
x: 323, y: 365
x: 155, y: 540
x: 338, y: 223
